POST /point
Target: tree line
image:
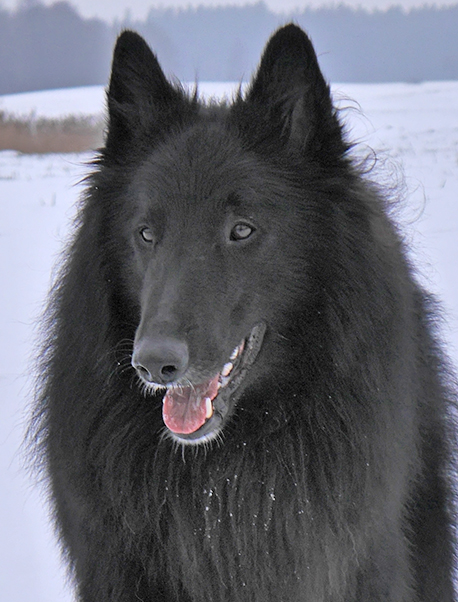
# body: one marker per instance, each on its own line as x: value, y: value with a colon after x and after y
x: 44, y: 47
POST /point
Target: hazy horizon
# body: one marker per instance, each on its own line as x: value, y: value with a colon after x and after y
x: 138, y: 9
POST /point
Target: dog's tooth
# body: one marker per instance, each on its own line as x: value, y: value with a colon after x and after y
x: 227, y: 369
x: 234, y: 354
x: 209, y: 408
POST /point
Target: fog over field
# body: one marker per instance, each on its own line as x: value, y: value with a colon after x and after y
x: 53, y: 45
x: 413, y: 129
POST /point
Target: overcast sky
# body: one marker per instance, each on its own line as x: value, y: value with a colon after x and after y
x: 109, y: 9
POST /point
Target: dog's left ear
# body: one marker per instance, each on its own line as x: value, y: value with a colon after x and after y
x: 140, y: 98
x: 289, y: 89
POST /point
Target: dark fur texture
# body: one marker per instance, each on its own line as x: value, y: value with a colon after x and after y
x: 327, y: 480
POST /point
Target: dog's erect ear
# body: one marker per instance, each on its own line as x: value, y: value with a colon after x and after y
x: 139, y: 92
x: 290, y: 89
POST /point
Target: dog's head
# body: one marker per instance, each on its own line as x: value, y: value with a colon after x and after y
x: 215, y: 203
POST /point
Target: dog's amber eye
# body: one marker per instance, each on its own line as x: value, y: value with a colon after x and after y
x: 147, y: 234
x: 241, y: 231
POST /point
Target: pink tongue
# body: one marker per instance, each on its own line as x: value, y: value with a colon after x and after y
x: 184, y: 409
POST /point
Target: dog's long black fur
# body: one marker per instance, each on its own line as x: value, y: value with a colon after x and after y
x: 323, y: 473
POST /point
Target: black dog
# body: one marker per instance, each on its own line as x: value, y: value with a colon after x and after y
x: 242, y: 398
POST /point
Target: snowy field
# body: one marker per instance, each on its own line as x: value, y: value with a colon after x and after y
x: 412, y: 128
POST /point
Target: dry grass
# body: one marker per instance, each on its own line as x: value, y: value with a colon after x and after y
x: 68, y: 135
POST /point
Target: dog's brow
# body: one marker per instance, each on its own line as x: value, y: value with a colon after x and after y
x: 234, y: 201
x: 237, y: 202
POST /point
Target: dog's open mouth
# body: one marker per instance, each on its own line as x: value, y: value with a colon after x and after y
x: 193, y: 413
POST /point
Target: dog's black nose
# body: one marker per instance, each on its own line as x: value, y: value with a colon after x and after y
x: 160, y: 360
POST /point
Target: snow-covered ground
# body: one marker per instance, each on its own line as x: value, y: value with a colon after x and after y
x: 413, y: 129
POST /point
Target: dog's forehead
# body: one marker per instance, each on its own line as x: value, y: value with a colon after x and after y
x: 205, y: 146
x: 200, y: 162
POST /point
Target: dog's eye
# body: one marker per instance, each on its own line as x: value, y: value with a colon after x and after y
x: 241, y: 231
x: 146, y: 234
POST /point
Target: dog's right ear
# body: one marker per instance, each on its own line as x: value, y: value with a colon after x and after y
x: 139, y: 96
